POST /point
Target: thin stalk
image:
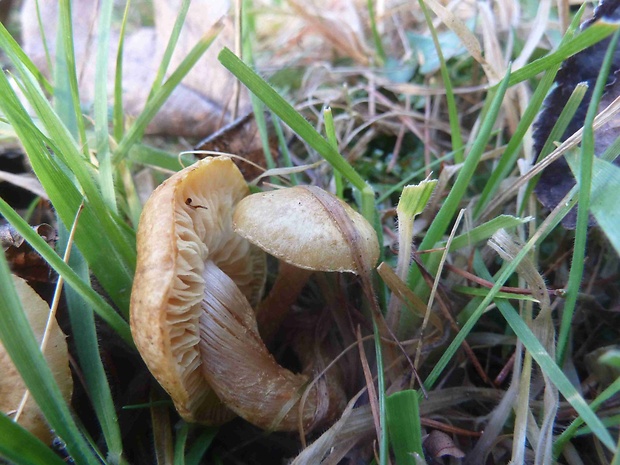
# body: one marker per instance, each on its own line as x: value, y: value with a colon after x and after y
x: 330, y: 132
x: 117, y: 112
x: 376, y: 37
x: 286, y: 155
x: 583, y: 204
x: 453, y: 113
x: 106, y: 170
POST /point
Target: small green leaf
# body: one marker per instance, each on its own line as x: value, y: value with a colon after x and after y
x: 403, y: 419
x: 24, y: 448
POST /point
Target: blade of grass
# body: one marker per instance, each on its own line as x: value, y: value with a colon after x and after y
x: 106, y: 174
x: 248, y: 37
x: 330, y: 132
x: 376, y: 37
x: 159, y: 159
x: 170, y: 48
x: 486, y: 230
x: 571, y: 431
x: 403, y: 417
x: 24, y: 448
x: 583, y: 204
x: 453, y: 114
x: 85, y: 338
x: 117, y: 112
x: 66, y: 92
x: 557, y: 377
x: 200, y: 446
x: 593, y: 34
x: 21, y: 345
x: 179, y: 444
x: 15, y: 54
x: 153, y: 105
x: 510, y: 155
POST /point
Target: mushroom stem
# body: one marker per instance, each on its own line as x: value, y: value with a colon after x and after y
x: 244, y: 374
x: 273, y: 310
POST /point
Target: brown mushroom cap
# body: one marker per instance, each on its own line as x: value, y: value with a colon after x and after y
x: 12, y: 387
x: 185, y: 223
x: 298, y: 225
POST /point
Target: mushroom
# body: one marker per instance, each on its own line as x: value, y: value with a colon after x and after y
x: 309, y: 230
x: 12, y: 387
x: 305, y: 227
x: 185, y: 232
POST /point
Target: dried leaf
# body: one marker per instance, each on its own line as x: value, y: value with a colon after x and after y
x: 439, y: 444
x: 556, y: 180
x: 23, y: 260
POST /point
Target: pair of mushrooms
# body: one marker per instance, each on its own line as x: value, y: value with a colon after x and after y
x: 200, y: 274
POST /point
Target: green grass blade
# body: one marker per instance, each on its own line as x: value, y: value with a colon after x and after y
x: 611, y: 391
x: 403, y: 417
x: 453, y: 114
x: 200, y: 446
x: 330, y: 133
x: 590, y: 36
x: 583, y: 204
x: 376, y: 37
x: 158, y: 158
x: 85, y: 338
x: 106, y: 174
x: 21, y: 345
x: 24, y: 448
x: 117, y: 111
x: 170, y: 47
x: 15, y: 54
x: 486, y: 230
x: 290, y: 116
x: 153, y: 105
x: 66, y: 92
x: 98, y: 303
x: 179, y: 444
x: 555, y: 374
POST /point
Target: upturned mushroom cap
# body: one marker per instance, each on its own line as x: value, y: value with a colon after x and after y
x: 12, y: 387
x: 303, y: 226
x: 185, y: 223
